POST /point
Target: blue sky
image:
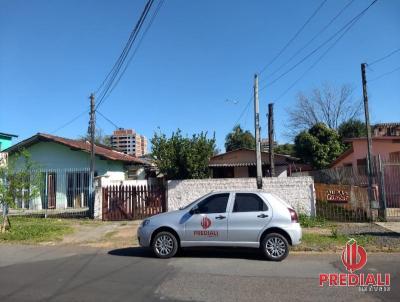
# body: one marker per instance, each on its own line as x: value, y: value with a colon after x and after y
x: 196, y: 55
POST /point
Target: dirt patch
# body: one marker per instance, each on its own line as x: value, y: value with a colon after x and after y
x: 116, y: 234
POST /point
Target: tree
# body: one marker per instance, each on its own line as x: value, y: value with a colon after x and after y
x: 318, y: 146
x: 239, y: 139
x: 329, y: 105
x: 287, y: 149
x: 180, y: 157
x: 352, y: 128
x: 22, y: 183
x: 99, y: 138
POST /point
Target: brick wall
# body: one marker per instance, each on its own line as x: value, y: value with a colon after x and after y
x: 297, y: 191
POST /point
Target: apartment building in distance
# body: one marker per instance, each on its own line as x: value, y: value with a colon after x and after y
x: 129, y: 142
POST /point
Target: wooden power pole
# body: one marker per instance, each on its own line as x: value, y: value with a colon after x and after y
x: 92, y: 129
x: 271, y: 138
x: 257, y: 133
x: 369, y: 139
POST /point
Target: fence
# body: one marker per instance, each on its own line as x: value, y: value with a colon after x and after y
x: 133, y: 202
x: 62, y: 193
x: 351, y: 183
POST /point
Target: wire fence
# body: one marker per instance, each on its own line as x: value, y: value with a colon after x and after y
x: 342, y: 193
x: 61, y: 193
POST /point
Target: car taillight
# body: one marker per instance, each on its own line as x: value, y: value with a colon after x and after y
x: 293, y: 215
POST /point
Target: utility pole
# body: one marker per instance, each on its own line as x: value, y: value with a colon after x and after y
x: 257, y: 133
x: 271, y: 138
x: 92, y: 128
x: 369, y: 139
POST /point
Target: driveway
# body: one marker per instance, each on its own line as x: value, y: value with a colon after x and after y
x: 67, y: 273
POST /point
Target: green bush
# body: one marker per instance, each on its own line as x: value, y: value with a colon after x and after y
x: 312, y: 222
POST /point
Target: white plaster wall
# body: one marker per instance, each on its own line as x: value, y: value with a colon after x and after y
x: 297, y: 191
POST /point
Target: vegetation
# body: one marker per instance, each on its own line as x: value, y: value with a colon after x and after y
x: 180, y: 157
x: 287, y: 149
x: 99, y: 138
x: 352, y: 128
x: 19, y: 180
x: 33, y: 230
x: 312, y: 222
x: 238, y: 138
x: 329, y: 105
x: 318, y: 146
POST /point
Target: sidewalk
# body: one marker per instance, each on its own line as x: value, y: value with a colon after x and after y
x: 392, y: 226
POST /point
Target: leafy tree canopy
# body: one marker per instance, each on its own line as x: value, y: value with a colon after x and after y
x: 352, y: 128
x: 238, y: 138
x: 180, y: 157
x: 287, y: 149
x: 318, y: 146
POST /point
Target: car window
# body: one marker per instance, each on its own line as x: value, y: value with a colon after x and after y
x: 246, y: 202
x: 214, y: 204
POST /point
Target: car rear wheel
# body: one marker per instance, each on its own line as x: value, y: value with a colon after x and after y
x: 165, y: 245
x: 275, y: 247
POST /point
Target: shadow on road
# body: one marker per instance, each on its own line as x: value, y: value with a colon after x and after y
x: 228, y: 253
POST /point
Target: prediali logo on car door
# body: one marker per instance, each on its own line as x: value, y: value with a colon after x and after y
x: 205, y: 223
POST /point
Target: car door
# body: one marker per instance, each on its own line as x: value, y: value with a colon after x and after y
x: 208, y: 220
x: 250, y: 214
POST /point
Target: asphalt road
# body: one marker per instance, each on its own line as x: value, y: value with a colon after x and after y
x: 30, y: 273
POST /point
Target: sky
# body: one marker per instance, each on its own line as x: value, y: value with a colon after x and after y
x: 195, y: 57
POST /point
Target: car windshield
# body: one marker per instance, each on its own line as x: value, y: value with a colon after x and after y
x: 190, y: 204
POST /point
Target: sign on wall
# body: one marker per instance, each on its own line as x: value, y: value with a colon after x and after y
x: 339, y: 196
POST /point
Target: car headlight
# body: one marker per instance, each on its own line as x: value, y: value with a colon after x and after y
x: 145, y: 222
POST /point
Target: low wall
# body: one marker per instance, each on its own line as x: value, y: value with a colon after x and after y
x: 297, y: 191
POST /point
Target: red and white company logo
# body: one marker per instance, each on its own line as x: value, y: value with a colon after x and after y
x: 354, y: 257
x: 205, y: 223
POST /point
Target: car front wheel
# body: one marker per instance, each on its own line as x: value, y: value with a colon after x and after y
x: 275, y: 247
x: 165, y: 245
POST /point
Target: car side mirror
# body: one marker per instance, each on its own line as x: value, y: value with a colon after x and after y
x: 194, y: 210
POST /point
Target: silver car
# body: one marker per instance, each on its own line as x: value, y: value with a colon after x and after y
x: 230, y: 219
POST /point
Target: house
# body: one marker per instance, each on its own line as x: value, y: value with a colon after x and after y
x: 242, y: 163
x: 386, y: 129
x: 388, y: 147
x: 63, y: 165
x: 5, y: 140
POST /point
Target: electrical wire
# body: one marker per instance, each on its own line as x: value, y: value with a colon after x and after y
x: 70, y: 121
x: 293, y: 38
x: 121, y: 60
x: 384, y: 74
x: 107, y: 119
x: 318, y: 60
x: 321, y: 45
x: 384, y: 57
x: 310, y: 41
x: 136, y: 49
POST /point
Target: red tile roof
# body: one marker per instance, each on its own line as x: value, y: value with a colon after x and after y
x: 100, y: 150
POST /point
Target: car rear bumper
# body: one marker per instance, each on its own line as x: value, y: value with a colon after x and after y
x: 295, y: 233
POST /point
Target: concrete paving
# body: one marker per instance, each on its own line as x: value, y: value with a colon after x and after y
x: 68, y: 273
x: 393, y: 226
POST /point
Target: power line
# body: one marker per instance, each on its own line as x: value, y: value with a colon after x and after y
x: 320, y: 46
x: 121, y: 60
x: 319, y: 59
x: 137, y: 47
x: 107, y: 119
x: 293, y: 38
x: 70, y: 121
x: 384, y: 57
x: 311, y: 40
x: 244, y: 110
x: 385, y: 74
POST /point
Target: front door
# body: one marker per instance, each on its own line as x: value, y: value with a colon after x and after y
x: 210, y: 220
x: 51, y: 190
x: 250, y: 214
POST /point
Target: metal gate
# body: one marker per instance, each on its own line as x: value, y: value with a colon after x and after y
x: 133, y: 202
